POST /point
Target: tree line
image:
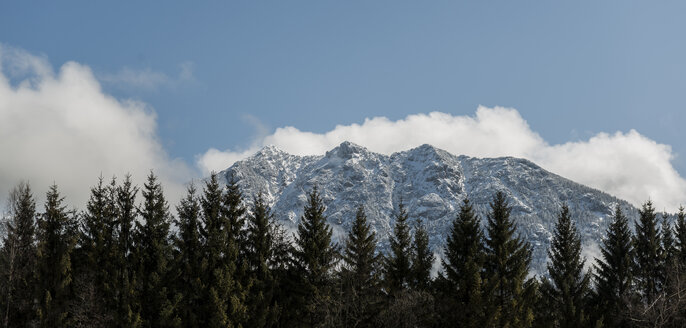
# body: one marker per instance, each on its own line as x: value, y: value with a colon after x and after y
x: 128, y: 263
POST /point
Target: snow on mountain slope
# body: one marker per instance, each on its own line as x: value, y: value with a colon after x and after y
x: 431, y: 183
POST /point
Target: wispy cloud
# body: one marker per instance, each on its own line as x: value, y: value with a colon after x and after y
x: 147, y: 78
x: 626, y: 164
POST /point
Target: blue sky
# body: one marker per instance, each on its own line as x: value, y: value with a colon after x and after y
x: 221, y: 74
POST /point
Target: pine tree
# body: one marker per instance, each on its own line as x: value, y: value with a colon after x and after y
x: 398, y: 264
x: 315, y: 255
x: 570, y: 284
x: 95, y: 259
x: 422, y: 259
x: 234, y: 211
x: 649, y: 268
x: 360, y: 273
x: 506, y: 266
x: 359, y: 255
x: 189, y: 258
x: 463, y: 266
x: 261, y: 303
x: 218, y: 280
x: 56, y: 240
x: 669, y: 250
x: 287, y: 294
x: 681, y: 237
x: 614, y: 278
x: 18, y: 259
x: 128, y: 308
x: 157, y: 302
x: 92, y: 239
x: 235, y: 250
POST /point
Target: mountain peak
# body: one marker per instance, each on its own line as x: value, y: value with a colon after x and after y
x: 346, y: 150
x: 269, y: 150
x: 426, y: 147
x: 426, y: 151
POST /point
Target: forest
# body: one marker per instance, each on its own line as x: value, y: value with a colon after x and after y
x: 129, y: 259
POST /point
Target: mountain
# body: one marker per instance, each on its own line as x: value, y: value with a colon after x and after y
x: 431, y: 183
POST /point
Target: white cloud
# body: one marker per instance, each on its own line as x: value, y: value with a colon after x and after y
x: 628, y: 165
x: 60, y: 127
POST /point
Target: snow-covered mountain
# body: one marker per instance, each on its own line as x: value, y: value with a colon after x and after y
x: 431, y: 183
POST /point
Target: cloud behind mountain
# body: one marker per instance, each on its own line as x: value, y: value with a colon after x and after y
x: 625, y: 164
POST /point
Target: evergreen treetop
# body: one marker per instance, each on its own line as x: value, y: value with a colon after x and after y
x: 359, y: 254
x: 669, y: 249
x: 128, y: 308
x: 213, y: 223
x: 157, y: 302
x: 422, y: 258
x: 315, y: 253
x: 18, y: 258
x: 56, y: 240
x: 465, y: 244
x: 614, y: 276
x: 398, y: 264
x: 649, y: 268
x: 260, y: 236
x: 315, y: 258
x: 189, y: 258
x: 261, y: 305
x: 570, y: 284
x: 359, y: 277
x: 506, y: 266
x: 463, y: 262
x: 223, y: 304
x: 681, y: 236
x: 96, y: 257
x: 235, y: 252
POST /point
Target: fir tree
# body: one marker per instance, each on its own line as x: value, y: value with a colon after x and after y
x: 157, y: 302
x: 93, y: 231
x: 422, y: 259
x: 261, y: 303
x: 398, y: 264
x: 56, y: 240
x: 506, y: 266
x: 315, y: 255
x: 681, y: 237
x: 360, y: 273
x: 218, y: 280
x: 463, y: 266
x: 233, y: 213
x: 18, y: 259
x: 128, y: 311
x: 570, y: 284
x: 649, y: 268
x: 669, y: 250
x: 614, y: 279
x: 95, y: 259
x: 189, y: 258
x: 359, y: 255
x: 282, y: 264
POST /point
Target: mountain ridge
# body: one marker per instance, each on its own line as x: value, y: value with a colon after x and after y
x: 431, y: 182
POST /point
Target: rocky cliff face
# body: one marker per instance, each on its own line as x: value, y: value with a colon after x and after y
x: 431, y: 183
